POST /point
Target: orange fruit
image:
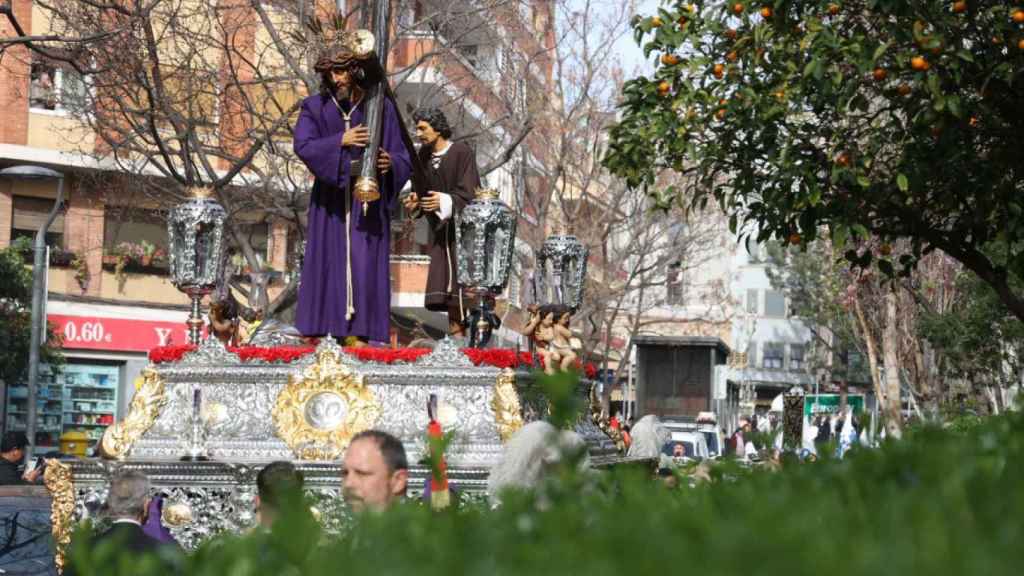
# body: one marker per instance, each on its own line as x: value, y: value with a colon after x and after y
x: 885, y: 249
x: 1018, y: 16
x: 718, y: 70
x: 731, y: 56
x: 919, y: 63
x: 682, y: 21
x: 730, y: 33
x: 833, y: 9
x: 664, y: 88
x: 670, y: 59
x: 879, y: 74
x: 1020, y: 44
x: 794, y: 238
x: 904, y: 89
x: 737, y: 8
x: 656, y: 22
x: 973, y: 121
x: 843, y: 159
x: 959, y: 7
x: 766, y: 12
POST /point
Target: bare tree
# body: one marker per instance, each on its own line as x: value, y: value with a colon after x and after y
x: 636, y: 249
x: 184, y: 94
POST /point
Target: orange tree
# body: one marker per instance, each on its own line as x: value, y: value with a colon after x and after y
x: 885, y: 118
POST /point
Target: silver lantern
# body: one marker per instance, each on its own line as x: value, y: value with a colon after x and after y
x: 485, y: 233
x: 561, y: 271
x: 195, y: 231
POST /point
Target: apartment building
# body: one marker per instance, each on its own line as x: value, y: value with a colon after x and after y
x: 111, y: 309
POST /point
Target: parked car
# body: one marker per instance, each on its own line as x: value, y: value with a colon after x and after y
x: 705, y: 424
x: 693, y: 445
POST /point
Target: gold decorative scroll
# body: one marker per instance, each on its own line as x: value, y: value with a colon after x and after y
x: 320, y: 410
x: 62, y: 492
x: 508, y: 416
x: 598, y: 417
x: 149, y: 399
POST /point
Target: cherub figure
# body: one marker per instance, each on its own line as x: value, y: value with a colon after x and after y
x: 549, y: 329
x: 561, y: 351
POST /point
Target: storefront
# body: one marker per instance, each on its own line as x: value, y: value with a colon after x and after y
x: 106, y: 348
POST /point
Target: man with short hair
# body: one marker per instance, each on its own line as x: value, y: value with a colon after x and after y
x: 278, y: 485
x: 12, y: 452
x: 127, y: 504
x: 453, y: 179
x: 375, y: 471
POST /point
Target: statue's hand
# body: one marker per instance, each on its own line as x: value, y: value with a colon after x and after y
x: 358, y: 136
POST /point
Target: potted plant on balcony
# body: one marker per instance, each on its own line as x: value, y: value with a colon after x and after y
x: 81, y: 269
x: 146, y: 252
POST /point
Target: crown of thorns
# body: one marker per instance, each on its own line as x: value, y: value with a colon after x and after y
x: 338, y: 47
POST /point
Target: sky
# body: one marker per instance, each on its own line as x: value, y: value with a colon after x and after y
x: 631, y: 54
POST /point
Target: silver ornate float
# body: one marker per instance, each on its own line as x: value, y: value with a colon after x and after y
x: 255, y: 412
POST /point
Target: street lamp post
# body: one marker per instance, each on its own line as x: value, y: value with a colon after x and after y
x: 40, y: 266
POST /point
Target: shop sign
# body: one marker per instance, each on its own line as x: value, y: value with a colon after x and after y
x: 123, y: 334
x: 815, y: 404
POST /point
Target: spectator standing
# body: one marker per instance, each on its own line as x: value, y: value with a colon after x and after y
x: 376, y: 471
x: 127, y: 504
x: 12, y: 452
x: 278, y: 486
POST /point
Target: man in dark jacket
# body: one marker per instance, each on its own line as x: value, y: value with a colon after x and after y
x: 126, y: 505
x: 12, y: 452
x: 453, y: 179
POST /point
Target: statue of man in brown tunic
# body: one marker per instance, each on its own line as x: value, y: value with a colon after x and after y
x: 452, y: 179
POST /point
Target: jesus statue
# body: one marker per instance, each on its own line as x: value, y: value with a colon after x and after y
x: 345, y: 286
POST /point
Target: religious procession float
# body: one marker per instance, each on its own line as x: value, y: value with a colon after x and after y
x: 208, y: 415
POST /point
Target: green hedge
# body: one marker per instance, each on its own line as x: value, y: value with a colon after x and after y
x: 939, y: 502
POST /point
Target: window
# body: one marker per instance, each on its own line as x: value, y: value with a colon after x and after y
x: 133, y: 225
x: 796, y: 357
x: 753, y: 250
x: 774, y: 304
x: 752, y: 303
x: 773, y: 355
x: 29, y: 214
x: 752, y: 355
x: 54, y: 87
x: 675, y: 290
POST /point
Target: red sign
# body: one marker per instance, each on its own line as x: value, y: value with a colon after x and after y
x: 95, y: 333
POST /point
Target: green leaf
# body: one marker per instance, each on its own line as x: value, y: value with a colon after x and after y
x: 879, y: 51
x: 864, y: 181
x: 902, y: 183
x: 953, y: 103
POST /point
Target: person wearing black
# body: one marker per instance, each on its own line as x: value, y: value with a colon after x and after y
x: 127, y: 503
x: 453, y: 180
x: 12, y: 452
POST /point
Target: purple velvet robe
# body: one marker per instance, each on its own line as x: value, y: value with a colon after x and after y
x: 322, y: 292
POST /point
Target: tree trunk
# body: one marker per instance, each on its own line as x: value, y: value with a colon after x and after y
x: 869, y: 340
x: 890, y: 356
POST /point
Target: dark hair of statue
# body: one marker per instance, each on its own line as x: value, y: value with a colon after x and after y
x: 437, y: 120
x: 391, y: 448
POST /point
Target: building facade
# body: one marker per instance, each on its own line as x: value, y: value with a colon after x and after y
x: 108, y: 293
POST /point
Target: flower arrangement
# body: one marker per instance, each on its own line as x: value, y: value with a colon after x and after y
x: 497, y: 357
x: 133, y: 254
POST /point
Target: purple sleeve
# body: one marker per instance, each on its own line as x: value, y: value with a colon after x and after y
x: 321, y: 154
